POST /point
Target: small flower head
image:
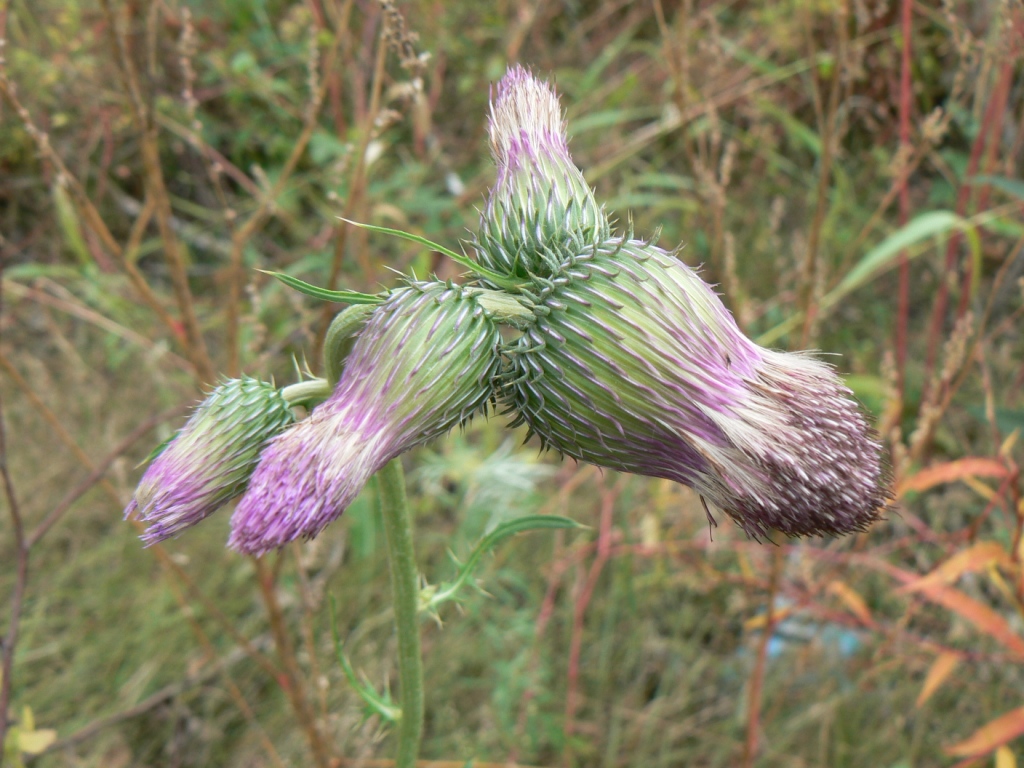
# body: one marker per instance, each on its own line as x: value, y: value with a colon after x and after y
x: 636, y: 365
x: 423, y: 364
x: 540, y: 196
x: 210, y: 460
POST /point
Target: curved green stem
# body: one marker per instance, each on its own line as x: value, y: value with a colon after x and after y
x: 405, y: 595
x: 307, y: 392
x: 339, y: 339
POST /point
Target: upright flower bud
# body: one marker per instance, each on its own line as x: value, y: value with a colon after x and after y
x: 540, y: 197
x: 210, y: 460
x: 637, y: 366
x: 423, y: 364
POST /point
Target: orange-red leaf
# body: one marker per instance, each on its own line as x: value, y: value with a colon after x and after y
x: 852, y: 599
x: 938, y: 673
x: 971, y: 560
x: 950, y: 472
x: 991, y: 736
x: 979, y: 614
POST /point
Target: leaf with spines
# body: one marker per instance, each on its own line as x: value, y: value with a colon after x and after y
x: 376, y: 703
x: 433, y: 597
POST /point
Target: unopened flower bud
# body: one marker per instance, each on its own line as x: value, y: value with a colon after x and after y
x: 540, y: 197
x: 210, y: 460
x: 424, y: 363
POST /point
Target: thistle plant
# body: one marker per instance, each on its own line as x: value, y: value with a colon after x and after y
x: 617, y: 354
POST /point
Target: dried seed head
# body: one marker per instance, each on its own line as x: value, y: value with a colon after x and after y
x: 424, y: 363
x: 209, y: 461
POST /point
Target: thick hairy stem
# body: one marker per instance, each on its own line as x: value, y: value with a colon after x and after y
x: 405, y: 595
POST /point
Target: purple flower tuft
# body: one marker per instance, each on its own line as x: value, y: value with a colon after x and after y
x: 423, y: 364
x: 209, y: 461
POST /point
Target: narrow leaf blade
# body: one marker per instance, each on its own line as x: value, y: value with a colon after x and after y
x: 338, y: 297
x: 495, y: 277
x: 990, y: 736
x: 927, y: 225
x: 940, y: 670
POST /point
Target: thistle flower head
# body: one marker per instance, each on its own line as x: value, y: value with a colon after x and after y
x: 540, y: 197
x: 423, y: 364
x: 210, y: 460
x: 634, y: 364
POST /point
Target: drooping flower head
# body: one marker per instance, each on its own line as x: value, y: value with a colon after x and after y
x: 639, y: 367
x: 633, y: 363
x: 540, y: 198
x: 210, y: 460
x: 423, y: 364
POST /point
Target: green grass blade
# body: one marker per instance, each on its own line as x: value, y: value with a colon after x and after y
x: 926, y: 226
x: 1012, y: 187
x: 911, y: 238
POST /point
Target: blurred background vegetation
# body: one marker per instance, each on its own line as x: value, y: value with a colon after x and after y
x: 847, y: 171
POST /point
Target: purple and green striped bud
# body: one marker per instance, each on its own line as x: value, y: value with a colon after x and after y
x: 210, y: 460
x: 424, y: 363
x: 634, y: 364
x: 540, y: 202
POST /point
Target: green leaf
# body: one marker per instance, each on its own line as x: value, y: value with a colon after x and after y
x: 883, y: 255
x: 1012, y: 187
x: 71, y: 227
x: 909, y: 238
x: 375, y: 702
x: 437, y: 596
x: 339, y: 297
x: 36, y: 742
x: 495, y: 277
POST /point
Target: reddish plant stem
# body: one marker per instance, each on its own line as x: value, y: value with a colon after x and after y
x: 757, y: 677
x: 22, y: 547
x: 1001, y: 97
x: 604, y: 547
x: 265, y: 210
x: 291, y: 677
x: 828, y: 127
x: 355, y: 196
x: 903, y: 308
x: 156, y: 190
x: 990, y: 122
